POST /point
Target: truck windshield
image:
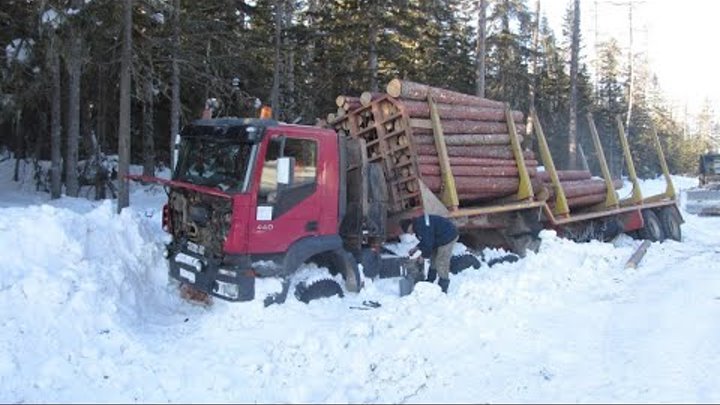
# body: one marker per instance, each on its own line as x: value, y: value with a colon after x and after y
x: 213, y: 163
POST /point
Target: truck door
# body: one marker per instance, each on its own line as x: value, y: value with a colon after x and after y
x: 287, y: 209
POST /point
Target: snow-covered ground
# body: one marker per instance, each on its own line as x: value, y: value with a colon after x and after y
x: 88, y: 315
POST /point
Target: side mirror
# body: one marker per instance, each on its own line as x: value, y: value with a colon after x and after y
x: 285, y: 166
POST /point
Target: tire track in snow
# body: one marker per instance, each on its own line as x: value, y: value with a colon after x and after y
x: 656, y: 349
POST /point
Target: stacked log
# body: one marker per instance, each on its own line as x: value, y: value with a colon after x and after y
x: 477, y: 140
x: 476, y: 133
x: 347, y: 103
x: 398, y: 130
x: 581, y: 190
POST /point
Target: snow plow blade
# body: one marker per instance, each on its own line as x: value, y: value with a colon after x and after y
x: 703, y: 201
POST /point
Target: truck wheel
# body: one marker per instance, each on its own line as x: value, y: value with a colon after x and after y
x: 670, y: 221
x: 319, y: 289
x: 653, y: 229
x: 341, y: 262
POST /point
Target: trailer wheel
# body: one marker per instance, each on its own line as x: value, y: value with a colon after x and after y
x: 521, y: 244
x: 653, y: 229
x: 670, y: 221
x: 319, y: 289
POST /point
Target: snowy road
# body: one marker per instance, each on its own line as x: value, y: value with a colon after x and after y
x: 88, y: 315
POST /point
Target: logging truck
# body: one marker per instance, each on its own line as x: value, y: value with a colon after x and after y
x: 255, y: 197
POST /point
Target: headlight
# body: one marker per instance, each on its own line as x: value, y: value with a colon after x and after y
x: 228, y: 290
x: 229, y: 273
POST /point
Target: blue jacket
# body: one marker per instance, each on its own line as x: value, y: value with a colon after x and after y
x: 433, y: 231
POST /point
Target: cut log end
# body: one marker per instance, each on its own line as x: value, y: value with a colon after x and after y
x: 394, y: 88
x: 340, y: 101
x: 366, y: 98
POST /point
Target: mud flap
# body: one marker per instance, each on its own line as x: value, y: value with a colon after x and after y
x: 406, y: 285
x: 349, y: 270
x: 411, y: 272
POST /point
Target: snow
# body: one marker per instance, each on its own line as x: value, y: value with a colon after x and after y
x: 18, y: 50
x: 52, y: 17
x: 89, y: 315
x: 158, y: 18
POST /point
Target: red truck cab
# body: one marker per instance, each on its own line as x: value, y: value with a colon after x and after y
x: 253, y: 197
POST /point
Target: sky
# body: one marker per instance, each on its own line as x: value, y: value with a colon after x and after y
x: 678, y: 37
x: 88, y: 315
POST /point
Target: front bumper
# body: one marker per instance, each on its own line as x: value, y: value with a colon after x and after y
x: 230, y: 278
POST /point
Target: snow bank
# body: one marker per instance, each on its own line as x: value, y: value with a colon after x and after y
x: 69, y: 281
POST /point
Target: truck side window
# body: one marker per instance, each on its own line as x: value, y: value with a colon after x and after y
x: 305, y: 171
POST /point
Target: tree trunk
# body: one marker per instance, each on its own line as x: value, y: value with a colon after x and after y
x: 101, y: 124
x: 533, y: 68
x: 480, y: 51
x: 373, y: 56
x: 148, y: 108
x: 19, y: 152
x: 124, y: 118
x: 175, y: 82
x: 289, y: 65
x: 55, y: 123
x: 631, y: 79
x: 74, y: 68
x: 275, y: 93
x: 574, y: 55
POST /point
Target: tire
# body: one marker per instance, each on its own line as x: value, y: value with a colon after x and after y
x: 670, y: 220
x: 653, y: 229
x: 509, y: 258
x: 521, y: 244
x: 341, y: 262
x: 319, y: 289
x: 462, y: 262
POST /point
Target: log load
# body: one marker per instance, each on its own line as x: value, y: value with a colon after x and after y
x: 466, y: 139
x: 470, y: 161
x: 417, y: 91
x: 367, y: 97
x: 421, y: 109
x: 566, y: 175
x: 477, y: 171
x: 398, y: 129
x: 581, y: 193
x: 493, y: 152
x: 476, y: 185
x: 465, y: 127
x: 347, y: 102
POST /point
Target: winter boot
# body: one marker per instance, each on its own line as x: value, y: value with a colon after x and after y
x: 432, y: 275
x: 444, y: 283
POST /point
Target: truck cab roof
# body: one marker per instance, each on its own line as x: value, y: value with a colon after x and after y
x: 232, y: 128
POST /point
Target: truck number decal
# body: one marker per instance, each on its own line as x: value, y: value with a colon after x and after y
x: 264, y: 227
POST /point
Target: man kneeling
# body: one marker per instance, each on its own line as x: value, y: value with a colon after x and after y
x: 437, y: 236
